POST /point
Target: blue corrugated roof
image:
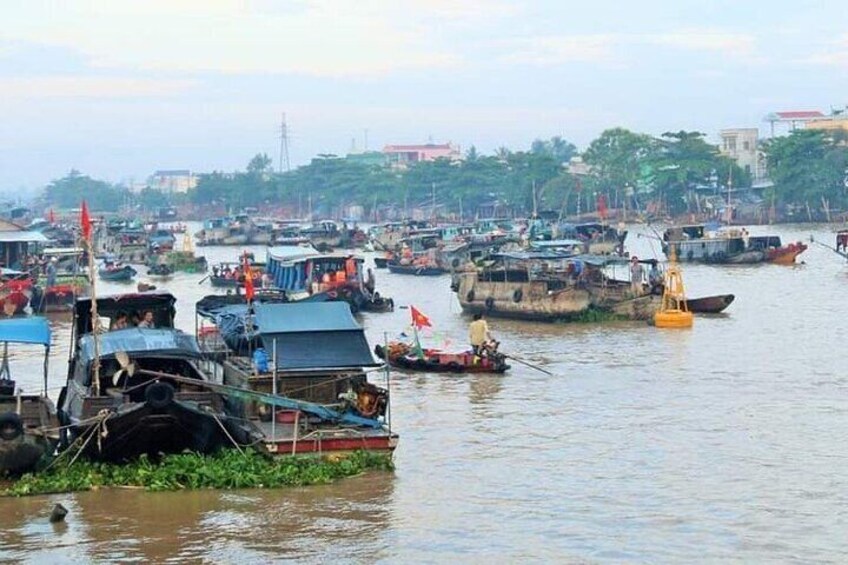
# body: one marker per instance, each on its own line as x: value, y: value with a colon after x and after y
x: 25, y: 330
x: 291, y: 252
x: 305, y: 317
x: 22, y: 236
x: 136, y: 341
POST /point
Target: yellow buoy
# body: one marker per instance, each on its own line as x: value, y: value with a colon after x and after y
x: 673, y: 313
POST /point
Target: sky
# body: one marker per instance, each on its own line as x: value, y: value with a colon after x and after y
x: 120, y: 89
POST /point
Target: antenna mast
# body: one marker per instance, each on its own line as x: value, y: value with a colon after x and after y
x: 284, y: 145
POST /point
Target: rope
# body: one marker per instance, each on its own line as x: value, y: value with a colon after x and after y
x: 233, y: 441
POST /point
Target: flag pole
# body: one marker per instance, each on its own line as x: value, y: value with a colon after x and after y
x: 95, y: 318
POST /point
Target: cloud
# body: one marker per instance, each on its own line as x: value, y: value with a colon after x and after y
x: 555, y: 50
x: 614, y: 49
x: 89, y: 87
x: 319, y: 38
x: 705, y: 40
x: 836, y: 55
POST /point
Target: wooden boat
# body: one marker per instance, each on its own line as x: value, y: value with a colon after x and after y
x: 311, y: 371
x: 697, y: 244
x: 117, y: 274
x: 146, y: 388
x: 401, y: 355
x: 416, y: 270
x: 71, y: 281
x: 160, y: 270
x: 16, y: 290
x: 709, y: 304
x: 28, y: 423
x: 552, y: 287
x: 304, y: 271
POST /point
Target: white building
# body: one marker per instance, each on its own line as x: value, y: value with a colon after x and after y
x: 172, y: 181
x: 742, y: 145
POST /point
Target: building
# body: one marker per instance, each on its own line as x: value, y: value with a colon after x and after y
x: 793, y: 118
x: 173, y: 181
x: 834, y: 122
x: 742, y: 145
x: 403, y: 155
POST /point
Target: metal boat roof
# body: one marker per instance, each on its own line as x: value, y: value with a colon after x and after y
x: 313, y: 336
x: 137, y: 341
x: 34, y: 330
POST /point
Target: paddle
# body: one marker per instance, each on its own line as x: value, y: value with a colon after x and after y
x: 201, y: 281
x: 531, y: 365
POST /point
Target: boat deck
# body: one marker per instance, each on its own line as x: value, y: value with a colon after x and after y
x: 289, y: 438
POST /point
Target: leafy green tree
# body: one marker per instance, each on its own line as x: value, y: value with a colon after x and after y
x: 73, y: 188
x: 809, y: 167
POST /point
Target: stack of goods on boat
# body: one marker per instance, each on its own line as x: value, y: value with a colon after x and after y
x: 312, y: 359
x: 183, y: 260
x: 28, y: 424
x: 138, y: 386
x: 712, y: 245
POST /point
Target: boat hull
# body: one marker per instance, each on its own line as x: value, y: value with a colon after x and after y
x: 442, y: 363
x: 125, y: 274
x: 414, y: 270
x: 139, y: 429
x: 709, y: 304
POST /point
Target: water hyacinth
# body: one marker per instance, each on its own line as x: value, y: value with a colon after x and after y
x: 228, y: 469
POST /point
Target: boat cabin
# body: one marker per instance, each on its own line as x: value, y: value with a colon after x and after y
x: 133, y: 306
x: 299, y: 269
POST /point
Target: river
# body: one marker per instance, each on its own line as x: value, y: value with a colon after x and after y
x: 726, y: 441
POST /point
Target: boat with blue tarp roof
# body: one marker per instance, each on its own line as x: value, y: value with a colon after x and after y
x: 28, y: 423
x: 315, y: 360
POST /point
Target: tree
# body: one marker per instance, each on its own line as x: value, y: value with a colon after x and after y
x: 73, y: 188
x: 618, y: 159
x: 808, y: 167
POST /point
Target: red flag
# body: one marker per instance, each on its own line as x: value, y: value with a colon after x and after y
x: 419, y: 320
x: 51, y: 216
x: 85, y: 222
x: 602, y: 206
x: 248, y: 280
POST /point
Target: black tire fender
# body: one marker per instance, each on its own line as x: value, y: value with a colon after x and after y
x: 517, y: 295
x: 159, y: 395
x: 490, y: 303
x: 469, y: 296
x: 11, y: 426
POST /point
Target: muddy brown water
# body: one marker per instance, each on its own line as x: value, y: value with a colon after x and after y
x: 723, y: 441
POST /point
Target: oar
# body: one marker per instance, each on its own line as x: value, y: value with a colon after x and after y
x: 531, y: 365
x: 201, y: 281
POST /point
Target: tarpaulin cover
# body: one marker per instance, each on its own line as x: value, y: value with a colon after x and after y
x: 310, y: 335
x: 141, y: 342
x: 25, y: 330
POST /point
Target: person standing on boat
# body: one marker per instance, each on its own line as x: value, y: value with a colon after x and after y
x: 370, y: 282
x: 478, y: 334
x: 51, y: 272
x: 636, y: 274
x: 655, y: 278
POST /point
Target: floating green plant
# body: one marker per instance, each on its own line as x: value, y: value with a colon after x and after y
x: 228, y: 469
